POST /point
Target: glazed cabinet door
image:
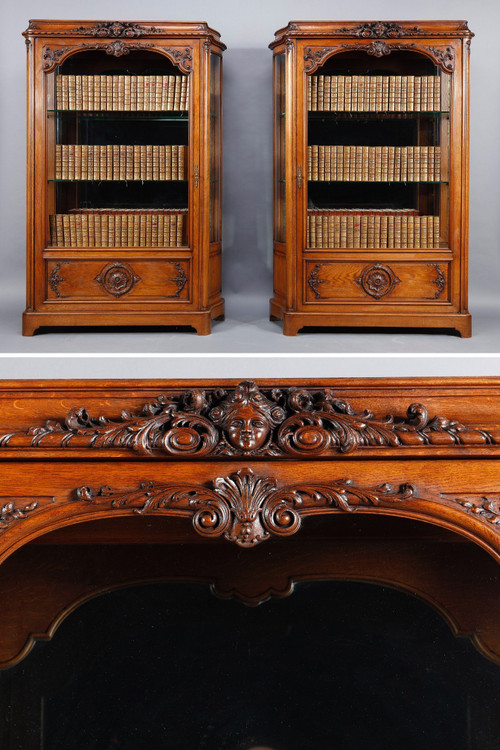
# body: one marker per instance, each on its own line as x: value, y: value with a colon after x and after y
x: 374, y: 144
x: 119, y: 156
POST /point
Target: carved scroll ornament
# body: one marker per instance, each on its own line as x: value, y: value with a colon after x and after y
x: 442, y: 56
x: 378, y: 29
x: 249, y: 421
x: 244, y: 508
x: 180, y: 56
x: 52, y: 57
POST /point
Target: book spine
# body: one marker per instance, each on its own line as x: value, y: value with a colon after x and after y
x: 171, y: 92
x: 129, y: 162
x: 314, y: 93
x: 340, y: 94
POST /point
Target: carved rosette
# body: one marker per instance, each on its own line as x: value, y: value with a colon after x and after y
x: 377, y: 280
x: 117, y: 279
x: 247, y: 421
x: 244, y: 508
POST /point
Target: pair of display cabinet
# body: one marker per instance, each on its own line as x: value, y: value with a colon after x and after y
x: 370, y: 174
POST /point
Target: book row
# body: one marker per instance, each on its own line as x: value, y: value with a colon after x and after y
x: 333, y: 229
x: 374, y: 93
x: 115, y: 162
x: 117, y: 229
x: 150, y: 93
x: 374, y: 163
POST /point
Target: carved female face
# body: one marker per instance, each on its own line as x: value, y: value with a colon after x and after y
x: 247, y: 429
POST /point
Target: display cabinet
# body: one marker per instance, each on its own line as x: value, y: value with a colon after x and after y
x: 258, y: 492
x: 371, y: 174
x: 124, y: 174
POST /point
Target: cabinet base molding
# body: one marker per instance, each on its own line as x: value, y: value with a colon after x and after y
x: 294, y: 321
x: 201, y: 321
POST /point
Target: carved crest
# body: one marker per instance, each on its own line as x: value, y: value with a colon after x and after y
x: 244, y: 508
x: 379, y: 29
x: 249, y: 421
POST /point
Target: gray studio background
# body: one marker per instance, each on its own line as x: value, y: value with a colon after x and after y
x: 246, y: 29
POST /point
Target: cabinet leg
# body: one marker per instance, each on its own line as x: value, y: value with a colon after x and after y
x: 290, y: 327
x: 29, y: 326
x: 204, y: 327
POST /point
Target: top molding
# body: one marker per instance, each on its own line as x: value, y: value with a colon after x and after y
x: 372, y: 30
x: 122, y: 30
x: 272, y: 420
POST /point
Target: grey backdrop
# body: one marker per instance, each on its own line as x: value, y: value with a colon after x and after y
x: 247, y: 28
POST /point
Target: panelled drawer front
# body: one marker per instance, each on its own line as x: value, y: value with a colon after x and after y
x: 114, y: 280
x: 376, y: 281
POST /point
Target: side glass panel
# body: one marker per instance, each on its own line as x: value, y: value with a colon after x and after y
x: 118, y: 136
x: 279, y: 146
x: 215, y: 147
x: 378, y: 161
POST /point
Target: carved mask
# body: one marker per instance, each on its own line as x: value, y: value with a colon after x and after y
x: 247, y: 429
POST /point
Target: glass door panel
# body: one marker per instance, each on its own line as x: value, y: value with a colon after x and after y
x: 280, y: 147
x: 215, y: 147
x: 378, y: 135
x: 118, y: 139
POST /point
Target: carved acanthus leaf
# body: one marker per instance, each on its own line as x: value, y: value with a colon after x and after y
x: 117, y: 48
x: 244, y: 508
x: 485, y: 507
x: 181, y: 56
x: 315, y: 57
x: 11, y: 512
x: 247, y: 421
x: 55, y: 280
x: 314, y: 281
x: 380, y: 29
x: 444, y: 56
x: 439, y: 280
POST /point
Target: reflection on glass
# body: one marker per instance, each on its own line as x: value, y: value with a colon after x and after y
x: 280, y: 147
x: 215, y: 147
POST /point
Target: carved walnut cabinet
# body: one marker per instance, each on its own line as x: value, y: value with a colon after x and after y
x: 249, y: 488
x: 371, y: 174
x: 124, y: 174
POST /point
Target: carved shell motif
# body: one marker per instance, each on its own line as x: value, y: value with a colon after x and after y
x: 244, y: 508
x: 248, y: 421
